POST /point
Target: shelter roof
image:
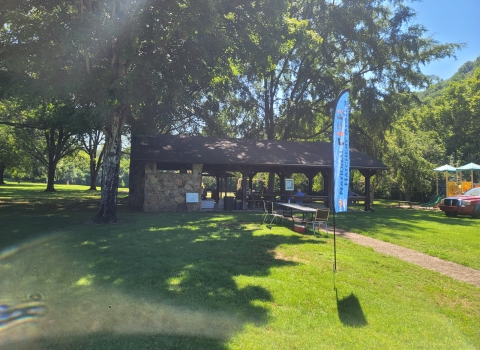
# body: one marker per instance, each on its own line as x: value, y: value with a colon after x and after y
x: 232, y: 154
x: 445, y: 167
x: 469, y: 166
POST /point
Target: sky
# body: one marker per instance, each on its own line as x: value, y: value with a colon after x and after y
x: 450, y: 21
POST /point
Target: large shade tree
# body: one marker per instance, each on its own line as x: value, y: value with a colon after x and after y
x: 374, y: 47
x: 48, y: 132
x: 320, y: 47
x: 119, y: 56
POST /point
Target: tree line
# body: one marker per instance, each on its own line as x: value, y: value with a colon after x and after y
x: 267, y: 69
x: 442, y: 129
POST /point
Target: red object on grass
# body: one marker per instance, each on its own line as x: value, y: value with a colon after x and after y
x: 299, y: 228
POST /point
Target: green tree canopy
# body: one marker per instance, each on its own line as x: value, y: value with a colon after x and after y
x: 319, y: 48
x: 48, y: 133
x: 455, y: 114
x: 123, y: 57
x: 12, y: 158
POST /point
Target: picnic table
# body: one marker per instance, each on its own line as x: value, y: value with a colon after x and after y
x: 256, y: 199
x: 288, y: 209
x: 409, y: 203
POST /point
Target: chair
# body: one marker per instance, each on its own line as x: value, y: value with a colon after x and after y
x: 265, y: 212
x: 321, y: 217
x: 269, y: 211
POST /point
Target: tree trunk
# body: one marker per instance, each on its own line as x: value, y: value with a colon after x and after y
x: 271, y: 182
x: 110, y: 170
x: 51, y: 176
x: 52, y: 164
x: 2, y: 171
x: 269, y: 121
x: 94, y: 169
x: 93, y: 175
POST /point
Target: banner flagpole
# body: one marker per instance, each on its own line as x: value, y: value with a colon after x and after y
x: 341, y: 162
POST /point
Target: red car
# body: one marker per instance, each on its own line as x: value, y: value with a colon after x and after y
x: 466, y: 204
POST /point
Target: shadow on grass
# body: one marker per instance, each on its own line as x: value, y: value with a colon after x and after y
x: 186, y: 274
x: 191, y: 259
x: 350, y: 311
x: 24, y: 221
x: 112, y: 341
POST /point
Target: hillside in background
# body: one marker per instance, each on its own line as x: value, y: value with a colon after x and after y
x: 464, y: 72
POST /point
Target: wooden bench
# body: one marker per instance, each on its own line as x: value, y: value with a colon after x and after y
x: 255, y: 200
x: 311, y: 199
x: 307, y: 198
x: 356, y: 199
x: 409, y: 203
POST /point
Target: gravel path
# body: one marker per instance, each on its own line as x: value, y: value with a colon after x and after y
x: 448, y: 268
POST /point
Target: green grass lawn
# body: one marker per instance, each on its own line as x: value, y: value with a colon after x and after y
x: 223, y: 281
x: 427, y: 231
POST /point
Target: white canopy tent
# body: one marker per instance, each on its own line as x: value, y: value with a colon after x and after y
x: 446, y: 168
x: 471, y: 167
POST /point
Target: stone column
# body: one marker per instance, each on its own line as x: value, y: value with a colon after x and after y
x: 167, y: 191
x: 136, y: 184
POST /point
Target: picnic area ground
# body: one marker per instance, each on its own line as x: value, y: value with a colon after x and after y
x: 222, y: 280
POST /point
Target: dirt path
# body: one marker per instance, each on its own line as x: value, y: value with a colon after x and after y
x: 448, y: 268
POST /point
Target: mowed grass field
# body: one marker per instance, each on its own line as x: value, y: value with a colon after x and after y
x: 221, y: 280
x: 427, y: 231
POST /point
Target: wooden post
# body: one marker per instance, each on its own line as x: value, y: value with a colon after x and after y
x: 310, y: 177
x: 446, y: 184
x: 368, y: 175
x: 244, y: 191
x: 327, y: 188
